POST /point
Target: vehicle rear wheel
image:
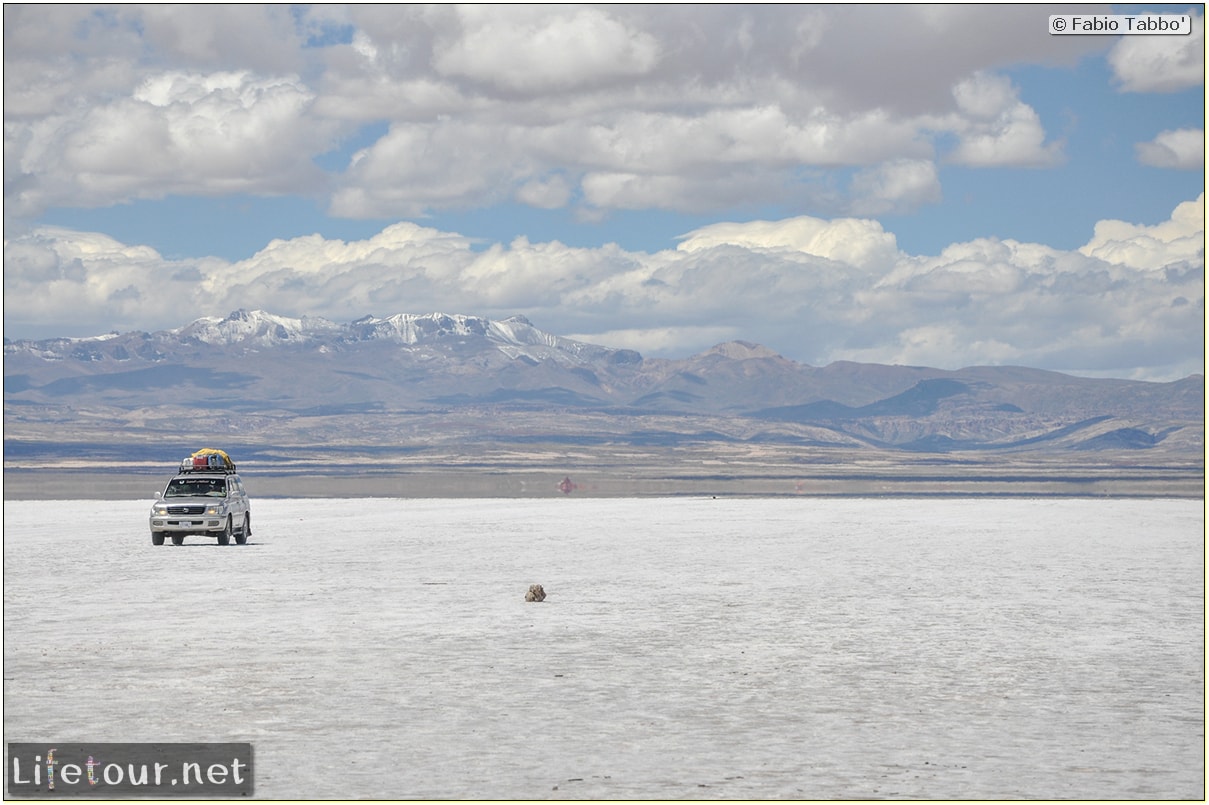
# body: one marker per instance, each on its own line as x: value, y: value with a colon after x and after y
x: 178, y: 539
x: 225, y: 537
x: 241, y: 536
x: 157, y: 537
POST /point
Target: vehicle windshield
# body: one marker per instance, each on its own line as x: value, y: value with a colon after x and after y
x: 196, y: 488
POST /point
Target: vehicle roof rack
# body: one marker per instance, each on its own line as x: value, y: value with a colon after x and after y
x: 214, y: 465
x: 187, y: 468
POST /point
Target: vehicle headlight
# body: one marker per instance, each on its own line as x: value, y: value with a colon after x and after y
x: 159, y: 510
x: 214, y: 510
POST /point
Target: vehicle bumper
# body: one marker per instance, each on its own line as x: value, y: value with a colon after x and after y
x: 187, y: 525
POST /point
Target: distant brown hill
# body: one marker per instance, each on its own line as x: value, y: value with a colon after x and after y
x: 267, y: 377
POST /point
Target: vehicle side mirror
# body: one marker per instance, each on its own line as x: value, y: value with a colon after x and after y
x: 157, y: 494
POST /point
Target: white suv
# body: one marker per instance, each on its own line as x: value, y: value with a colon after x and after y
x: 207, y: 502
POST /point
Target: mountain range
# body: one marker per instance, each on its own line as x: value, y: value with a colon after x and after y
x: 434, y: 377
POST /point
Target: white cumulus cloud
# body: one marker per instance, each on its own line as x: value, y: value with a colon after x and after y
x: 1183, y: 149
x: 1160, y: 63
x: 897, y: 186
x: 1179, y: 239
x: 547, y: 193
x: 532, y: 49
x: 996, y: 127
x: 175, y: 132
x: 853, y: 241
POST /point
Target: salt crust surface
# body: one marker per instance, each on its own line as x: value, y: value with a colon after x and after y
x: 688, y: 648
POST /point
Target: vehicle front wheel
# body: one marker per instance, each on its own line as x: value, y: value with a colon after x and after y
x: 157, y: 537
x: 225, y: 537
x: 241, y: 536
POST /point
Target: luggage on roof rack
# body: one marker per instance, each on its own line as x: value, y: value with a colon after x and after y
x: 208, y: 460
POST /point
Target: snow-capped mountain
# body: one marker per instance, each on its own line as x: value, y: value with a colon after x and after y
x: 256, y: 328
x: 514, y: 336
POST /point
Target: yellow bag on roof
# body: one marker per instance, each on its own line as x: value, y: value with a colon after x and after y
x: 210, y: 457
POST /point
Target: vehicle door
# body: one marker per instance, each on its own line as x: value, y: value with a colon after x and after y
x: 237, y: 501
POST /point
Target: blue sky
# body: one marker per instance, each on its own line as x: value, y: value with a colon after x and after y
x: 892, y: 184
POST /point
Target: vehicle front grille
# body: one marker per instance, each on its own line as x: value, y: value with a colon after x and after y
x: 186, y: 509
